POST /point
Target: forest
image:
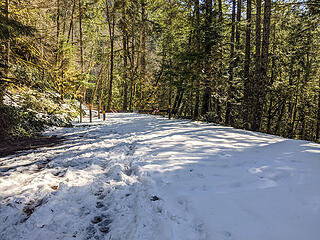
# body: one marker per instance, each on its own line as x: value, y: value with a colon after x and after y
x: 247, y: 64
x: 160, y: 119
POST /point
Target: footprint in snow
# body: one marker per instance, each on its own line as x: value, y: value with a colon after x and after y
x: 224, y: 155
x: 91, y: 231
x: 127, y: 170
x: 154, y: 198
x: 59, y: 172
x: 99, y: 205
x: 96, y: 219
x: 104, y: 226
x: 227, y: 235
x: 98, y: 192
x: 101, y: 223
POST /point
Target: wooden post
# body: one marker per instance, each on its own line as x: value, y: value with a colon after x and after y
x: 90, y: 112
x: 169, y: 111
x: 104, y: 113
x: 80, y: 111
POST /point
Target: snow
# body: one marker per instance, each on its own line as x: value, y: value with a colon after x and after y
x: 143, y: 177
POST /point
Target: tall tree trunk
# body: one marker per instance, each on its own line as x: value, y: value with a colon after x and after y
x: 293, y: 107
x: 63, y: 21
x: 197, y: 84
x: 125, y: 58
x: 220, y: 10
x: 71, y: 21
x: 8, y: 41
x: 58, y: 23
x: 208, y: 44
x: 269, y: 115
x: 231, y: 66
x: 178, y: 98
x: 190, y: 64
x: 111, y: 35
x: 264, y: 61
x: 238, y: 29
x: 318, y: 117
x: 132, y: 69
x: 7, y: 58
x: 303, y: 124
x: 280, y: 116
x: 101, y: 89
x: 96, y: 88
x: 273, y: 76
x: 290, y: 103
x: 82, y: 92
x: 255, y: 125
x: 169, y: 102
x: 62, y: 82
x: 175, y: 101
x: 142, y: 51
x: 177, y: 110
x: 247, y: 78
x: 58, y: 33
x: 221, y: 69
x: 291, y: 133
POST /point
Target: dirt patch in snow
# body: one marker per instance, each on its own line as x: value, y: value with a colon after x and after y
x: 10, y: 146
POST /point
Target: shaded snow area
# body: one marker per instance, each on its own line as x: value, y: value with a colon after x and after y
x: 140, y: 177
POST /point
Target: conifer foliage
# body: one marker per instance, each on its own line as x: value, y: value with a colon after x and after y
x: 242, y: 63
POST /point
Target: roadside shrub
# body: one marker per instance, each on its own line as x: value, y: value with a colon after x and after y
x: 210, y: 117
x: 26, y: 112
x: 16, y: 122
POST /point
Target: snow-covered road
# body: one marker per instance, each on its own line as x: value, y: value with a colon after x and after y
x: 141, y: 177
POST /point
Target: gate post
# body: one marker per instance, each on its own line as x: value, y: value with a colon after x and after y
x: 104, y: 113
x: 90, y: 112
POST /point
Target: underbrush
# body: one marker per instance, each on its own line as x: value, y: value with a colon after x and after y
x: 27, y: 112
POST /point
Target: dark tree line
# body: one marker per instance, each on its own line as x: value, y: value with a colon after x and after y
x: 256, y: 70
x: 242, y: 63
